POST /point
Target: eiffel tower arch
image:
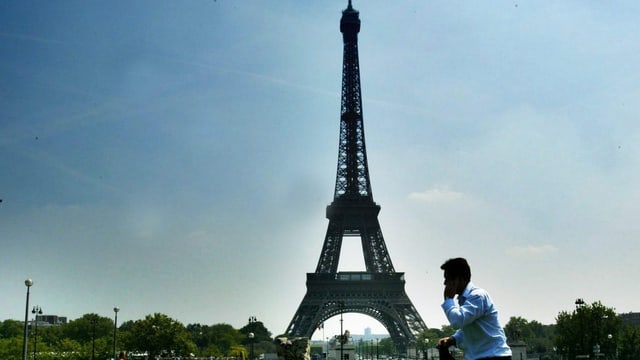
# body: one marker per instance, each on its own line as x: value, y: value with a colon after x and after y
x: 379, y: 290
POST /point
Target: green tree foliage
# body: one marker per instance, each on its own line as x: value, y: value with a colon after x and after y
x: 429, y: 339
x: 387, y: 347
x: 11, y: 348
x: 225, y: 337
x: 259, y: 331
x: 50, y: 335
x: 588, y: 326
x: 68, y: 346
x: 159, y: 334
x: 262, y: 340
x: 93, y: 332
x: 238, y: 352
x: 126, y: 326
x: 206, y: 338
x: 629, y: 344
x: 85, y: 328
x: 447, y: 330
x: 156, y: 333
x: 537, y: 337
x: 11, y: 328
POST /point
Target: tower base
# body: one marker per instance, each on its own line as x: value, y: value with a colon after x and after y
x: 379, y: 295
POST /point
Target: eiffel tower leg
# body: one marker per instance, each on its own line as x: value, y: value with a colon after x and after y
x: 330, y: 256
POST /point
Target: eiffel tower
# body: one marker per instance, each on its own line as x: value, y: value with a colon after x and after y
x: 379, y: 291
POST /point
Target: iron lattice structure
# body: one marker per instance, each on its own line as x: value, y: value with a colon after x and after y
x: 379, y: 290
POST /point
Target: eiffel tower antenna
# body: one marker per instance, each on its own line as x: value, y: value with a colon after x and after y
x: 379, y: 290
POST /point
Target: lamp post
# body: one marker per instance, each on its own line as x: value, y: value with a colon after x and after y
x: 579, y: 308
x: 251, y: 336
x: 115, y: 330
x: 426, y: 350
x: 615, y: 353
x: 28, y: 283
x: 342, y: 340
x: 36, y: 311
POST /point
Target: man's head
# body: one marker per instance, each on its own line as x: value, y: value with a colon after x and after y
x: 457, y: 273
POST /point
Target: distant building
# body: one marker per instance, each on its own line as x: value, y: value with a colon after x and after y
x: 51, y: 320
x: 632, y: 318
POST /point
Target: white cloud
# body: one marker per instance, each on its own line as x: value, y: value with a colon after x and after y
x: 436, y: 195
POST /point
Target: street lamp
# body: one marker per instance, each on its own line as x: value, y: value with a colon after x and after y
x: 426, y: 351
x: 251, y: 336
x: 115, y: 330
x: 37, y: 311
x: 342, y: 340
x: 580, y: 303
x: 610, y: 338
x: 28, y: 283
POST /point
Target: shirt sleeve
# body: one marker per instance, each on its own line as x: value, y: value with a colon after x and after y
x: 459, y: 336
x: 449, y: 306
x: 460, y: 316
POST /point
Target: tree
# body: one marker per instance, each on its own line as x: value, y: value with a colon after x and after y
x: 213, y: 340
x: 126, y: 326
x: 262, y: 341
x: 11, y: 348
x: 199, y: 337
x: 428, y: 340
x: 11, y: 328
x: 82, y: 329
x: 50, y: 335
x: 159, y: 334
x: 225, y: 337
x: 92, y: 331
x: 387, y: 347
x: 69, y: 346
x: 447, y: 330
x: 259, y: 331
x: 586, y: 329
x: 537, y: 337
x: 629, y: 348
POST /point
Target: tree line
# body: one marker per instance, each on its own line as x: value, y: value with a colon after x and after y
x: 590, y: 329
x: 92, y: 337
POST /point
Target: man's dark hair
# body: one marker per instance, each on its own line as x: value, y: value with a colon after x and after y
x: 457, y: 267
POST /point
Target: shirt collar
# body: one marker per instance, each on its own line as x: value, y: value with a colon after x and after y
x: 467, y: 289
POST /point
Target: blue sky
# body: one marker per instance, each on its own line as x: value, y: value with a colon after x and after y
x: 177, y: 157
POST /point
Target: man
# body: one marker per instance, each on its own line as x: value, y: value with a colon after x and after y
x: 474, y: 316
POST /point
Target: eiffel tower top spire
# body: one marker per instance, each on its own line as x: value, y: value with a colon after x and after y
x: 352, y: 178
x: 349, y: 7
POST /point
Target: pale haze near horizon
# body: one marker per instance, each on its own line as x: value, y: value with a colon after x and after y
x: 177, y: 157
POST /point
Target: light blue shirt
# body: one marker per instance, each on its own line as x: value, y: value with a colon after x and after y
x: 477, y: 324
